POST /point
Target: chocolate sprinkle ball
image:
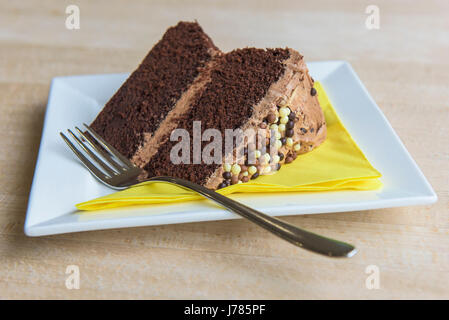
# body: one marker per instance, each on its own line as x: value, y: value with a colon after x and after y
x: 271, y: 118
x: 254, y: 176
x: 281, y: 156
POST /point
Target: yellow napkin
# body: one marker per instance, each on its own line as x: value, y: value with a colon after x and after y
x: 338, y: 164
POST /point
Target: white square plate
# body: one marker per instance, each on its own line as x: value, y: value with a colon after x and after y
x: 61, y: 181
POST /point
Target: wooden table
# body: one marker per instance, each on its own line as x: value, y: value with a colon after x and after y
x: 404, y: 65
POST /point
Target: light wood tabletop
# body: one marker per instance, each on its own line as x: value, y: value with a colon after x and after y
x: 404, y: 65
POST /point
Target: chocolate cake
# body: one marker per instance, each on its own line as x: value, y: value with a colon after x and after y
x: 241, y: 114
x: 136, y: 111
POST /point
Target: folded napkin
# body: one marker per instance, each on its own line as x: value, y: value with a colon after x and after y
x: 338, y: 164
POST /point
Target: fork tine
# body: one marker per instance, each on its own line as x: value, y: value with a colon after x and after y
x: 93, y: 155
x: 108, y: 147
x: 92, y: 168
x: 105, y: 155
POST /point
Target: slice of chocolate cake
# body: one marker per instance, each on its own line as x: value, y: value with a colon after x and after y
x: 268, y: 91
x: 155, y: 91
x: 225, y: 119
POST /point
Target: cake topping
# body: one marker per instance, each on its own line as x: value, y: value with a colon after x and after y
x: 271, y: 118
x: 297, y: 146
x: 227, y: 167
x: 282, y: 102
x: 289, y: 159
x: 281, y: 156
x: 281, y: 127
x: 252, y: 170
x: 236, y: 169
x: 284, y: 120
x: 283, y: 112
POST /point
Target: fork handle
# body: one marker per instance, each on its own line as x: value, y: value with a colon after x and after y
x: 297, y: 236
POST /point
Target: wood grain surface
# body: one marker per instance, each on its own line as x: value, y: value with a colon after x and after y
x: 404, y: 65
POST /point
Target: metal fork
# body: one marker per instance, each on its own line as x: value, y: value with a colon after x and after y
x: 117, y: 172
